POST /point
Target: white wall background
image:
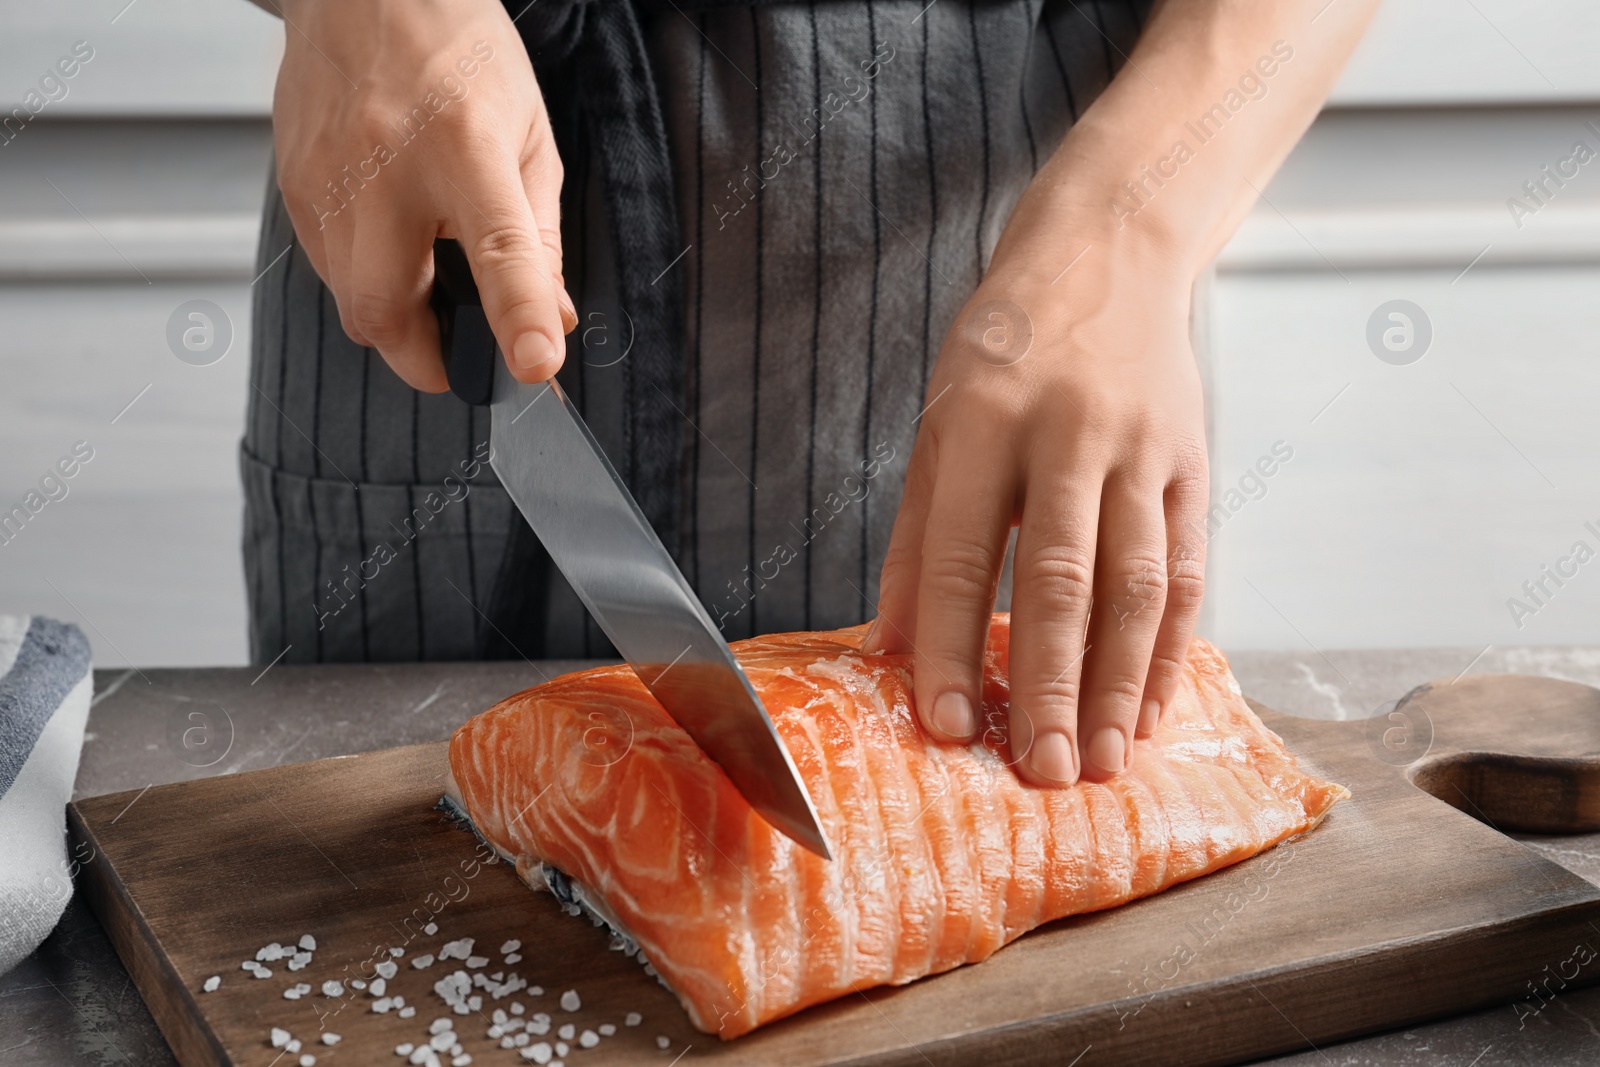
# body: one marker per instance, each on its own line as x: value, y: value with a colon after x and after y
x: 1413, y: 507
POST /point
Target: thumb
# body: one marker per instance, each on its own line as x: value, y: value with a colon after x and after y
x: 509, y: 260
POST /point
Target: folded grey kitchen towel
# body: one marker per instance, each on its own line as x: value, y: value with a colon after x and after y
x: 45, y: 688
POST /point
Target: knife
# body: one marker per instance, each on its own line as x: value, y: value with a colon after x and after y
x: 590, y: 525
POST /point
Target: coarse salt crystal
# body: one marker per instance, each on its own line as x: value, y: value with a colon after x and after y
x: 536, y: 991
x: 303, y: 988
x: 477, y: 961
x: 308, y: 942
x: 248, y: 965
x: 211, y: 984
x: 506, y: 1042
x: 520, y: 1040
x: 440, y: 1042
x: 510, y: 946
x: 516, y: 1007
x: 499, y: 1015
x: 567, y: 1032
x: 570, y: 1000
x: 607, y: 1029
x: 474, y: 1002
x: 397, y: 952
x: 431, y: 929
x: 261, y: 972
x: 460, y: 1008
x: 377, y: 987
x: 460, y: 1060
x: 280, y: 1037
x: 407, y: 1012
x: 293, y: 1046
x: 663, y: 1041
x: 539, y: 1027
x: 307, y: 1060
x: 330, y: 1039
x: 387, y: 969
x: 588, y: 1039
x: 539, y: 1053
x: 420, y: 1053
x: 333, y: 988
x: 440, y: 1025
x: 633, y: 1018
x: 356, y: 983
x: 382, y: 1004
x: 403, y: 1049
x: 399, y: 1001
x: 513, y: 957
x: 424, y: 960
x: 292, y: 993
x: 561, y: 1048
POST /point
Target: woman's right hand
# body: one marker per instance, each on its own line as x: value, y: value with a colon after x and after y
x: 399, y: 122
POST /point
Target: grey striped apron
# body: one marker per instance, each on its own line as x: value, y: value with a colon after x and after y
x: 841, y: 172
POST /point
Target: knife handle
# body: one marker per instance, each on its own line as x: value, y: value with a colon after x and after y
x: 465, y: 340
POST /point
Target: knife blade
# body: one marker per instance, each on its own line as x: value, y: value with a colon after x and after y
x: 562, y: 482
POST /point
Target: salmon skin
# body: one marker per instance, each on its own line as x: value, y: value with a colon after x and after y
x: 942, y: 854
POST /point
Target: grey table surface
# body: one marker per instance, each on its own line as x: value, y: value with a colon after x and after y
x: 72, y: 1002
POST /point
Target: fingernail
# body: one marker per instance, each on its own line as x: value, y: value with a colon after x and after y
x: 1108, y: 750
x: 1149, y: 717
x: 533, y: 350
x: 1052, y: 757
x: 869, y: 640
x: 952, y: 714
x: 567, y: 306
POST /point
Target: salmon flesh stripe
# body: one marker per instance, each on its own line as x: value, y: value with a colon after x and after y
x: 942, y: 854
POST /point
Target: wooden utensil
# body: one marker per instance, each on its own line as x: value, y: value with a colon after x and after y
x: 1408, y: 903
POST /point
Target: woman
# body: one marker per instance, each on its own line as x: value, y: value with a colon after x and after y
x: 795, y: 261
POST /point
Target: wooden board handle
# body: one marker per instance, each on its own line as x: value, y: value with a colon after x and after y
x: 1519, y: 753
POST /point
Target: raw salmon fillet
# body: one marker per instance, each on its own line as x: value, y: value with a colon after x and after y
x: 942, y: 854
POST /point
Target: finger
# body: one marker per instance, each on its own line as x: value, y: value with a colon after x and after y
x: 312, y: 238
x: 501, y: 237
x: 541, y: 180
x: 1052, y: 580
x: 390, y: 277
x: 894, y: 630
x: 963, y: 544
x: 1130, y: 586
x: 333, y: 236
x: 1186, y: 571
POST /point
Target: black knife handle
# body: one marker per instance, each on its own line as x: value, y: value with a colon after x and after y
x: 465, y: 340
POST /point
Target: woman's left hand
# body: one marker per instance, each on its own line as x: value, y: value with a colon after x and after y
x: 1073, y: 410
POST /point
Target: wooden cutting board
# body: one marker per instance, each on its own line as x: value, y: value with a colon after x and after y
x: 1401, y: 907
